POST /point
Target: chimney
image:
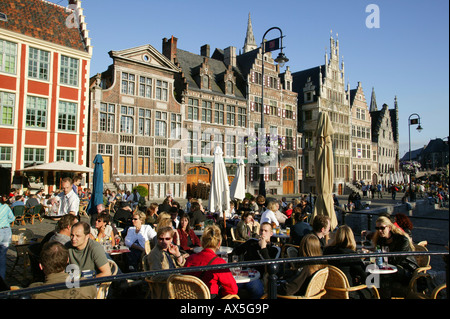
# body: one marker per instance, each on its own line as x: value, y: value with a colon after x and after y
x: 205, y: 50
x: 229, y: 56
x: 169, y: 48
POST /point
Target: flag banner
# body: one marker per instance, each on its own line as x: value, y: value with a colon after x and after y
x: 272, y: 45
x: 414, y: 121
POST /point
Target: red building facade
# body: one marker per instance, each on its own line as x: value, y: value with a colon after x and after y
x: 45, y: 58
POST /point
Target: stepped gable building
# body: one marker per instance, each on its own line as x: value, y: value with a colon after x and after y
x: 136, y: 122
x: 322, y: 89
x: 45, y: 55
x: 364, y: 164
x: 214, y: 114
x: 385, y: 135
x: 221, y: 93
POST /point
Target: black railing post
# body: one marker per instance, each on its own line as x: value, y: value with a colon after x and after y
x: 272, y: 284
x: 369, y: 222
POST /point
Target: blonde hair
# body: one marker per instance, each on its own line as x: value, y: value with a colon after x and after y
x: 140, y: 215
x: 394, y: 229
x: 272, y: 205
x: 344, y: 238
x: 212, y: 237
x: 163, y: 215
x: 165, y: 222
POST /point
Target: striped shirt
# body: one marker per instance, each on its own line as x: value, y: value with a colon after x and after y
x: 6, y: 216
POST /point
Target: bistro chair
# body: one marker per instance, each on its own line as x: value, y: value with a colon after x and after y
x: 103, y: 289
x: 83, y: 209
x: 290, y: 251
x: 233, y: 236
x: 19, y: 214
x: 34, y: 212
x: 338, y: 287
x: 189, y: 287
x: 420, y: 272
x: 315, y: 289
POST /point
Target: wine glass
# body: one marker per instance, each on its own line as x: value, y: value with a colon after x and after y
x: 235, y: 270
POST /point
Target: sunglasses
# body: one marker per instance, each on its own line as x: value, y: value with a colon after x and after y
x: 380, y: 228
x: 135, y: 218
x: 165, y: 238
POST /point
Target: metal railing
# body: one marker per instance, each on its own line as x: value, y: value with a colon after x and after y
x: 273, y: 265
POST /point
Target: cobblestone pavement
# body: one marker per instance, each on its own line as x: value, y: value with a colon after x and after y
x: 436, y: 232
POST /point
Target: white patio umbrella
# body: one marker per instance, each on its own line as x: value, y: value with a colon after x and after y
x: 219, y: 195
x: 59, y: 166
x: 237, y: 187
x: 323, y: 157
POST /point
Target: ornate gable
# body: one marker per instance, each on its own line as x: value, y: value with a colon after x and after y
x: 145, y: 55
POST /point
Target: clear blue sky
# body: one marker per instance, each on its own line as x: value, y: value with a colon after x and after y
x: 407, y: 56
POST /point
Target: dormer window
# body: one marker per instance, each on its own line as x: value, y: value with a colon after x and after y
x: 308, y: 97
x: 229, y: 89
x: 205, y: 82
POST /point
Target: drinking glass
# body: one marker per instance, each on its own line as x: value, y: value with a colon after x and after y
x: 235, y: 270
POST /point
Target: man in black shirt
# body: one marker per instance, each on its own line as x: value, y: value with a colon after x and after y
x: 258, y: 249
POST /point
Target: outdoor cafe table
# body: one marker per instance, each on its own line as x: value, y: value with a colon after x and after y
x: 199, y: 232
x: 247, y: 276
x: 118, y: 251
x: 222, y: 250
x: 386, y: 269
x: 281, y: 235
x: 21, y: 239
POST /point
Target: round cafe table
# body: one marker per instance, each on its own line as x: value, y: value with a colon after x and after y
x: 387, y: 269
x: 244, y: 276
x: 222, y: 250
x: 199, y: 232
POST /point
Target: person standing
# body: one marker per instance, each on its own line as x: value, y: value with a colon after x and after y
x: 379, y: 189
x: 69, y: 200
x: 6, y: 218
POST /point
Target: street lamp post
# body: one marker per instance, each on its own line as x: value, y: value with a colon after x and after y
x: 412, y: 121
x: 281, y: 59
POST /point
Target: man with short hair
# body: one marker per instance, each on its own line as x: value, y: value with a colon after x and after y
x: 69, y: 202
x: 54, y: 260
x: 64, y: 228
x: 258, y: 249
x: 87, y: 253
x: 321, y: 228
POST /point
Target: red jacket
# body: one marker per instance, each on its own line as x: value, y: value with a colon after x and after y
x: 214, y: 279
x: 184, y: 239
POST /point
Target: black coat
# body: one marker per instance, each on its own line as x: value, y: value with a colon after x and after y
x: 354, y: 269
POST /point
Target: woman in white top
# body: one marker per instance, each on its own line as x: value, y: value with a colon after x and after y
x: 136, y: 238
x: 269, y: 214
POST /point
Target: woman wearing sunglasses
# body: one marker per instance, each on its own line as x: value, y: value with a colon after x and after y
x: 393, y: 239
x: 136, y: 238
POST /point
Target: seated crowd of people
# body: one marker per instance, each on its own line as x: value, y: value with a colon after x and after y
x: 161, y: 236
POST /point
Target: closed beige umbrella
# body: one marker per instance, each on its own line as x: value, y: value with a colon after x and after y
x: 324, y: 169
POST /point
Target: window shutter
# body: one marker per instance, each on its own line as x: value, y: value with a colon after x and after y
x: 252, y: 106
x: 293, y: 115
x: 279, y: 174
x: 279, y: 111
